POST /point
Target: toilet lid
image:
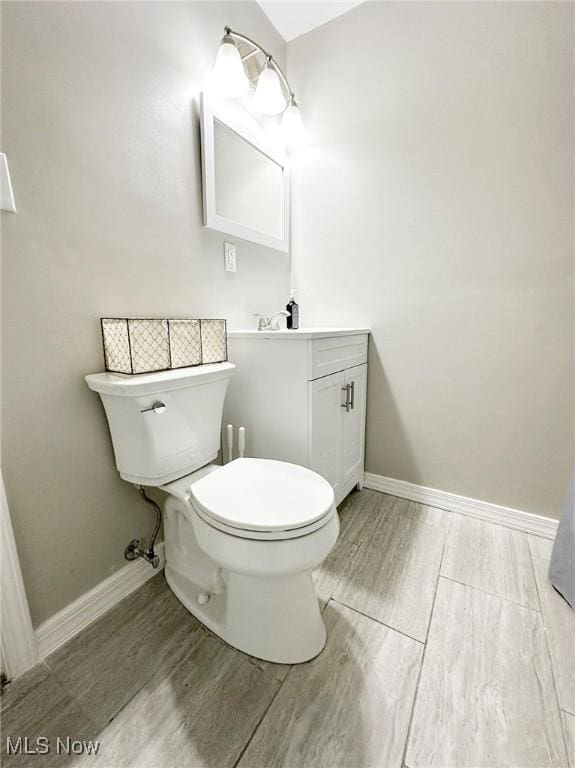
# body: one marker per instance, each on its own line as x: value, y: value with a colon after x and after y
x: 263, y: 495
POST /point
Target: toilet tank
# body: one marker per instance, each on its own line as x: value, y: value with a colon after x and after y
x: 154, y: 446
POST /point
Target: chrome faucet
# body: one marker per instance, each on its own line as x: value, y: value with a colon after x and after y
x: 272, y: 323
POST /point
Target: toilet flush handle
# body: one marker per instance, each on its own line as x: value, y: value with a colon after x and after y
x: 157, y: 407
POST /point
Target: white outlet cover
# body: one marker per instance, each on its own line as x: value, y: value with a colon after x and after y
x: 230, y: 257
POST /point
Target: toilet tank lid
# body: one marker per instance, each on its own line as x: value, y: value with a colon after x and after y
x: 125, y: 385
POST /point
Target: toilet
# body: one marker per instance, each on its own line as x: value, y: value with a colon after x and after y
x: 241, y: 539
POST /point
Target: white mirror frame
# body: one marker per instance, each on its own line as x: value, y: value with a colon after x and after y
x: 247, y: 127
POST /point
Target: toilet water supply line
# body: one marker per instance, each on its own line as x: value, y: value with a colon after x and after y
x: 134, y: 549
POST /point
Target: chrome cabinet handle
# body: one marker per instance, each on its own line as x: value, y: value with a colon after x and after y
x: 352, y: 395
x: 157, y: 407
x: 346, y: 404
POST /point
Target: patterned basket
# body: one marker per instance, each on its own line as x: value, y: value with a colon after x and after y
x: 143, y: 345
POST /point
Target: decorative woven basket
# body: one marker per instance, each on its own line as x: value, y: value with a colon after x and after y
x: 143, y: 345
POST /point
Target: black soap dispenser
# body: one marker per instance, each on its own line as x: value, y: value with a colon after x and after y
x: 292, y: 320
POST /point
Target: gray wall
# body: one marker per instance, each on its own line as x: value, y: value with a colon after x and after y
x: 102, y: 137
x: 438, y: 207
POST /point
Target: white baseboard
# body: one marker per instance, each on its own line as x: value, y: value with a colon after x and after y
x: 65, y: 624
x: 484, y: 510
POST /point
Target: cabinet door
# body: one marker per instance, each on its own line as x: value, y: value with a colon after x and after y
x: 325, y: 431
x: 354, y: 422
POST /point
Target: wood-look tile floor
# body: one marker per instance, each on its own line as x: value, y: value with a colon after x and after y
x: 447, y: 646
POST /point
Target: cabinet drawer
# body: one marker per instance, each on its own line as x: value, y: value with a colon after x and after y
x: 334, y: 354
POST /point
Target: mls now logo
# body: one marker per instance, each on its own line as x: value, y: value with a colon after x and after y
x: 22, y: 745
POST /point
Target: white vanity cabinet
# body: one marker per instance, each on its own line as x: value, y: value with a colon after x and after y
x: 302, y: 397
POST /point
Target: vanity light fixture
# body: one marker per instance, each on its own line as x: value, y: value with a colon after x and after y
x: 268, y: 98
x: 272, y: 91
x: 229, y: 77
x: 292, y: 128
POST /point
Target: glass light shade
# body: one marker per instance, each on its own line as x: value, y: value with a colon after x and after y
x: 268, y: 98
x: 293, y: 131
x: 229, y: 77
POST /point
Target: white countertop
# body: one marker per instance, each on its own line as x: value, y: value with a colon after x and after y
x: 301, y: 333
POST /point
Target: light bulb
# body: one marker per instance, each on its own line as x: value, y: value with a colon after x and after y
x: 268, y: 98
x: 229, y: 77
x: 293, y: 131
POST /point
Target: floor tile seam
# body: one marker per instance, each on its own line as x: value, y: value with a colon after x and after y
x: 560, y: 709
x: 262, y: 718
x: 534, y: 573
x: 425, y: 644
x: 330, y: 596
x: 563, y: 727
x: 376, y: 621
x: 491, y: 594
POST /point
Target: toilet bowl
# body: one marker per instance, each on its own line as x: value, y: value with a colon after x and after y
x: 241, y: 539
x: 262, y: 527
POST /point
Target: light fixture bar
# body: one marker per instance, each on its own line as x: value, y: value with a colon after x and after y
x: 249, y: 55
x: 268, y: 56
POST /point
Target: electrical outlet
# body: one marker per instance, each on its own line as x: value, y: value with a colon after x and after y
x: 230, y: 257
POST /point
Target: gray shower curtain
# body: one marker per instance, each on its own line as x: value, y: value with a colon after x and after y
x: 562, y: 565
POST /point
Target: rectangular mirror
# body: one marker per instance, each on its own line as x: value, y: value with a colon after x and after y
x: 245, y: 177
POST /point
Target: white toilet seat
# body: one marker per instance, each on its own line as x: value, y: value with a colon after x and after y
x: 294, y: 533
x: 263, y: 499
